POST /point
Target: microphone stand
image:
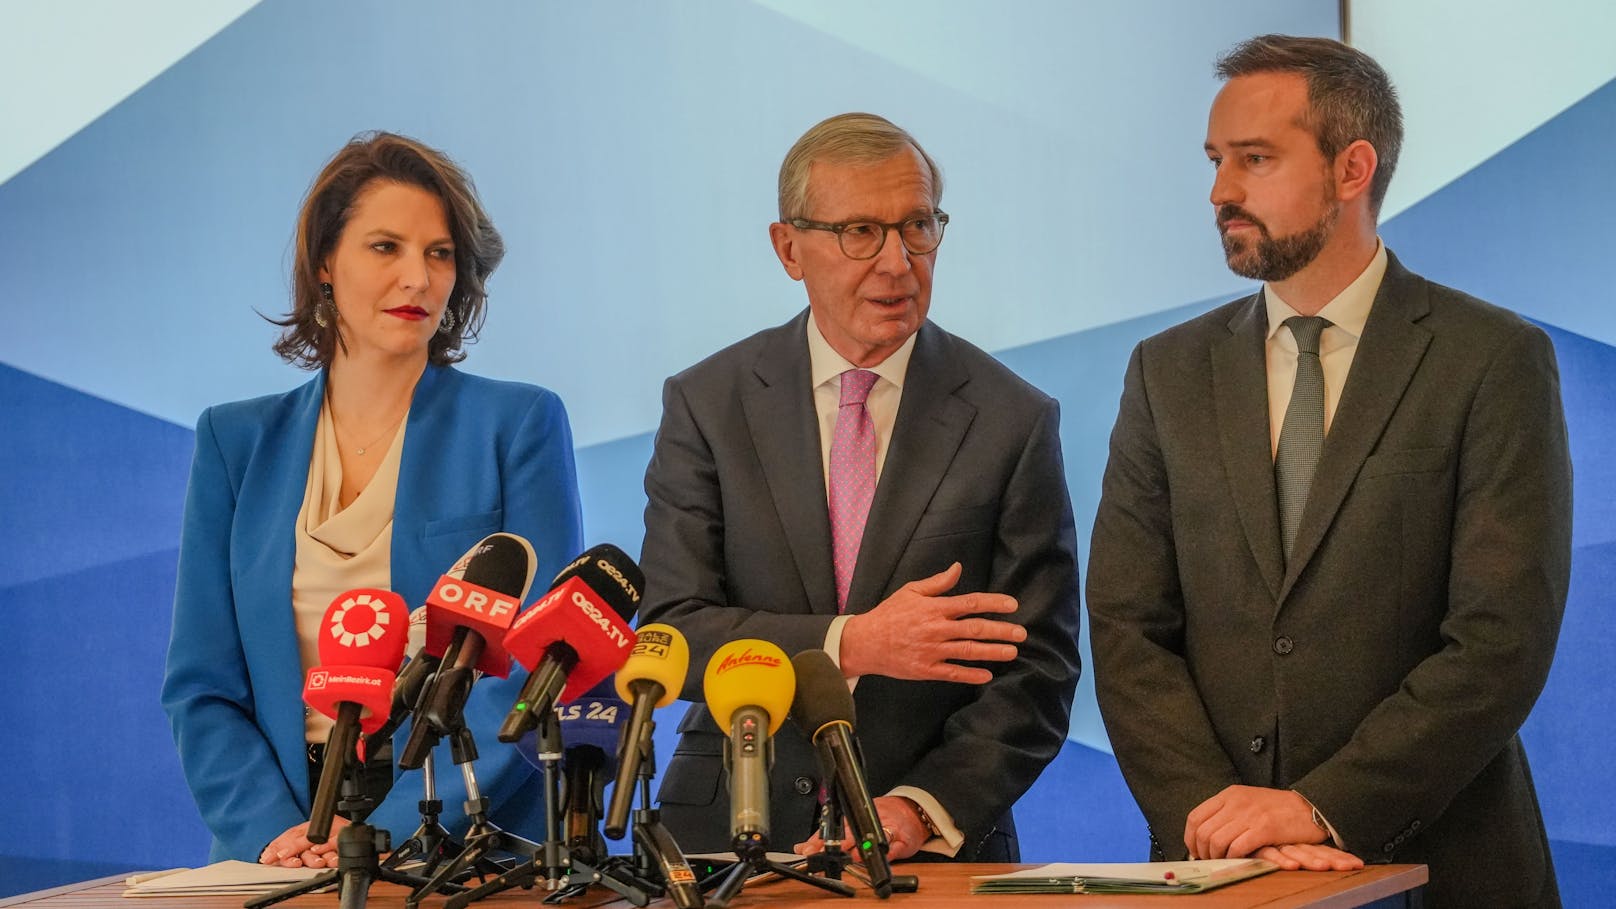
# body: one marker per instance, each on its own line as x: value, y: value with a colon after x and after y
x: 484, y: 836
x: 752, y: 850
x: 430, y: 843
x: 526, y: 874
x: 657, y: 856
x: 358, y: 845
x: 833, y: 860
x: 657, y: 867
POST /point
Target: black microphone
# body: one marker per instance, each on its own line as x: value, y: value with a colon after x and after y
x: 412, y: 680
x: 575, y: 635
x: 823, y: 708
x: 467, y: 614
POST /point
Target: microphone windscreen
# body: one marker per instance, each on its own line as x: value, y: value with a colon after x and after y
x: 596, y: 718
x: 576, y: 614
x: 822, y: 694
x: 614, y: 577
x: 361, y: 645
x: 365, y: 627
x: 504, y: 562
x: 482, y: 593
x: 749, y: 673
x: 660, y: 655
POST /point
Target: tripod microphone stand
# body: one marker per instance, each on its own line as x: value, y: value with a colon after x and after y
x: 431, y: 844
x: 833, y: 861
x: 752, y: 850
x: 657, y: 856
x: 484, y: 836
x: 358, y: 846
x: 657, y: 866
x: 551, y: 869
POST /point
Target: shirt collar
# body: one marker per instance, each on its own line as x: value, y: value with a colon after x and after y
x: 825, y: 364
x: 1349, y: 311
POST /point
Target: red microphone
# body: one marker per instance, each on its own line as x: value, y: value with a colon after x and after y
x: 575, y: 636
x: 467, y: 614
x: 478, y: 600
x: 362, y: 640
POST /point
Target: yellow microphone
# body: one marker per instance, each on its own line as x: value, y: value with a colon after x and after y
x: 651, y: 678
x: 749, y: 685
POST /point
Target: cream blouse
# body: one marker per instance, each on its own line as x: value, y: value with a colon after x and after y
x: 339, y: 549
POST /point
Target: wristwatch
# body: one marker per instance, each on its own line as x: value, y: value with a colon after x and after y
x: 930, y: 825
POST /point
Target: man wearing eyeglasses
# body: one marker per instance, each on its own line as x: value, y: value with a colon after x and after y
x: 861, y: 481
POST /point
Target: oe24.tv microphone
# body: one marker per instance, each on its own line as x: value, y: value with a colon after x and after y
x: 823, y: 708
x: 362, y: 640
x: 652, y: 678
x: 575, y: 635
x: 749, y: 684
x: 467, y: 614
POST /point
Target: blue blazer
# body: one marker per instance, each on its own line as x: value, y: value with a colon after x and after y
x: 479, y: 456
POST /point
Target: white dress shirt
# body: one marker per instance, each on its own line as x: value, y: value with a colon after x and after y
x: 825, y: 367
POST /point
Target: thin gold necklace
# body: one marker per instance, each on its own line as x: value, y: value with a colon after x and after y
x: 360, y: 450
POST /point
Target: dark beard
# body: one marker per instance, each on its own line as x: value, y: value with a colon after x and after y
x: 1274, y: 258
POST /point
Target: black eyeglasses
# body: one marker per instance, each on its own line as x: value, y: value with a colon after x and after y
x: 864, y: 239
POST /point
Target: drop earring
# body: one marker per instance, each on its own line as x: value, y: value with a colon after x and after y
x: 326, y: 303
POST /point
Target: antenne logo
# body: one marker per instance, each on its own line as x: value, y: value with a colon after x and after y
x: 316, y: 679
x: 746, y: 658
x: 356, y: 623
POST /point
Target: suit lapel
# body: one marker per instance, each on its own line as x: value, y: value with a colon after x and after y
x: 1240, y: 395
x: 1388, y: 354
x: 930, y: 426
x: 785, y: 433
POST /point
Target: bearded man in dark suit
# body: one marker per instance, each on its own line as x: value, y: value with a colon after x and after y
x: 1333, y: 545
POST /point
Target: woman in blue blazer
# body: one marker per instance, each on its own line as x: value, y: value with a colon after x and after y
x: 381, y: 471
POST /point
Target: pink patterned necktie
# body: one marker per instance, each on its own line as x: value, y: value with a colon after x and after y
x: 852, y: 477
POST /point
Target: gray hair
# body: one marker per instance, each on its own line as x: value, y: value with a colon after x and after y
x: 845, y: 139
x: 1349, y: 96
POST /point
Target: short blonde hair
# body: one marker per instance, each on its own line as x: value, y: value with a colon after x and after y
x: 854, y: 138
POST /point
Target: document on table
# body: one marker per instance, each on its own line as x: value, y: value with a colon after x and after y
x: 219, y: 878
x: 1124, y: 877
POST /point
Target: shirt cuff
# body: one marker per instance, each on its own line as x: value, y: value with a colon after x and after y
x: 833, y: 645
x: 949, y: 839
x: 1324, y: 822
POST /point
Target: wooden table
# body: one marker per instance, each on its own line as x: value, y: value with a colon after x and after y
x: 940, y: 885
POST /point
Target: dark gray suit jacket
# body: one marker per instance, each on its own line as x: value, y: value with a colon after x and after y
x: 1383, y: 673
x: 737, y: 545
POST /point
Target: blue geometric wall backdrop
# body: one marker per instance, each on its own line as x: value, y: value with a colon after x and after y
x: 157, y: 222
x: 1531, y: 229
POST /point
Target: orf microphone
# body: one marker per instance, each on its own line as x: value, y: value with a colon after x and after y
x: 466, y: 617
x: 362, y: 640
x: 575, y: 636
x: 749, y: 684
x: 823, y: 708
x: 652, y: 678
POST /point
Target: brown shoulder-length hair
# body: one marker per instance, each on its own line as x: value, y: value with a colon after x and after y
x: 366, y: 158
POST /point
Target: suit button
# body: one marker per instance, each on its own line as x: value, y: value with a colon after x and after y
x: 1283, y: 645
x: 1257, y: 743
x: 803, y: 785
